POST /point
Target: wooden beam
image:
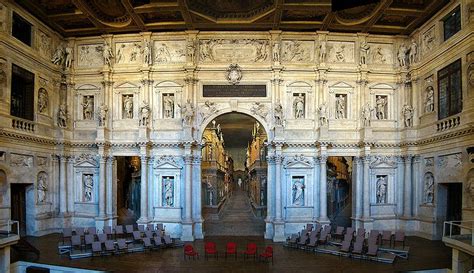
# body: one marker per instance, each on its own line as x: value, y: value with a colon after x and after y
x: 188, y: 20
x: 154, y: 7
x: 328, y: 20
x: 429, y: 9
x: 41, y: 14
x: 381, y: 9
x: 135, y: 17
x: 277, y: 14
x: 91, y: 18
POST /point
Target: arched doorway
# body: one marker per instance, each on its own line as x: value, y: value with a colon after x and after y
x: 234, y: 175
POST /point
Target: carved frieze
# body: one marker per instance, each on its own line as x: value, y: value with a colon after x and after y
x: 169, y: 52
x: 233, y: 50
x: 340, y: 52
x: 19, y: 160
x: 128, y: 53
x: 90, y: 55
x: 428, y: 40
x: 380, y: 53
x: 452, y: 161
x: 297, y: 51
x: 380, y: 160
x: 44, y: 45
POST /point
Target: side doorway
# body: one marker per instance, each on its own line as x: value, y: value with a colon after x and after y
x: 18, y: 205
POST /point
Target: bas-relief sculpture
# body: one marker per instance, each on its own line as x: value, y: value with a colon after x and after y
x: 168, y: 106
x: 43, y: 101
x: 44, y: 45
x: 323, y: 114
x: 103, y: 113
x: 187, y: 113
x: 341, y: 52
x: 259, y: 109
x: 428, y: 40
x: 144, y: 114
x: 298, y: 191
x: 429, y: 101
x: 278, y: 114
x: 297, y: 51
x: 381, y: 189
x: 207, y: 109
x: 234, y: 50
x: 381, y: 107
x: 168, y: 191
x: 127, y: 101
x: 90, y: 55
x: 18, y: 160
x: 62, y: 116
x: 233, y: 74
x: 88, y: 108
x: 298, y: 105
x: 340, y: 106
x: 428, y: 197
x: 42, y: 187
x: 408, y: 111
x: 170, y: 52
x: 128, y: 53
x: 88, y: 187
x: 364, y: 52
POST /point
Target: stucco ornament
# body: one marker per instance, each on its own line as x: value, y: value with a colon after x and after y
x: 233, y: 74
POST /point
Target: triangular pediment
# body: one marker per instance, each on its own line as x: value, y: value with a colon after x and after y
x: 298, y: 162
x: 126, y: 85
x: 168, y: 162
x: 382, y: 86
x: 341, y: 85
x: 86, y: 161
x: 87, y: 87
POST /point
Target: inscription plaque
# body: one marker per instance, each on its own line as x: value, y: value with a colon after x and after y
x: 234, y: 91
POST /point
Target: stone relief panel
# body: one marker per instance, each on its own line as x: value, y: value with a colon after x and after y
x: 428, y: 41
x: 169, y: 52
x: 3, y: 17
x: 19, y: 160
x: 341, y: 52
x: 234, y: 50
x: 429, y: 162
x: 41, y: 161
x: 297, y: 51
x: 90, y: 55
x: 428, y: 188
x: 43, y: 101
x: 44, y: 45
x: 128, y: 53
x: 380, y: 53
x: 449, y: 167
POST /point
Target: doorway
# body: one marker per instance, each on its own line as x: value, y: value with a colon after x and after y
x: 339, y: 174
x: 128, y: 189
x: 18, y: 205
x: 449, y: 205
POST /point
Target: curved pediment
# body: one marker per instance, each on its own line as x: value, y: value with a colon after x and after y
x: 88, y: 86
x: 86, y: 161
x: 382, y: 86
x: 298, y: 162
x: 341, y: 85
x: 165, y: 84
x: 168, y: 162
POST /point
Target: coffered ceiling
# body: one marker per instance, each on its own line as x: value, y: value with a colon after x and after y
x: 95, y: 17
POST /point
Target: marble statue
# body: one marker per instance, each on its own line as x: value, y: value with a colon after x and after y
x: 69, y: 56
x: 407, y: 112
x: 88, y: 107
x: 167, y: 192
x: 187, y: 112
x: 168, y: 106
x: 128, y: 106
x: 103, y: 111
x: 322, y: 51
x: 298, y: 106
x: 147, y: 53
x: 120, y: 54
x: 276, y: 52
x: 43, y: 100
x: 298, y: 191
x: 163, y: 54
x: 42, y: 187
x: 278, y: 114
x: 339, y: 51
x: 191, y: 50
x: 366, y: 114
x: 429, y: 188
x: 144, y: 114
x: 62, y: 116
x: 381, y: 104
x: 58, y: 56
x: 429, y: 102
x: 413, y: 52
x: 381, y: 190
x: 107, y: 54
x: 378, y: 56
x: 402, y: 55
x: 340, y: 107
x: 88, y: 181
x: 210, y: 190
x: 364, y: 52
x: 323, y: 114
x: 134, y: 52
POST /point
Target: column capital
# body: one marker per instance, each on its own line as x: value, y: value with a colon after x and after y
x: 367, y: 159
x: 196, y: 159
x: 279, y: 159
x: 408, y: 158
x: 323, y: 159
x: 188, y: 159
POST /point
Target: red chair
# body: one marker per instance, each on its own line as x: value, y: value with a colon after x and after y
x: 231, y: 249
x: 250, y: 251
x: 189, y: 251
x: 268, y: 253
x: 210, y: 249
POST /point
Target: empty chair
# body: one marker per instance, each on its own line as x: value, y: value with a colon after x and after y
x: 108, y: 231
x: 313, y: 240
x: 251, y: 250
x: 387, y: 236
x: 374, y: 234
x: 67, y: 233
x: 157, y: 241
x: 129, y: 230
x: 76, y: 242
x: 102, y: 237
x: 122, y: 246
x: 267, y: 254
x: 91, y: 230
x: 361, y: 232
x: 345, y: 247
x: 147, y: 243
x: 231, y: 249
x: 141, y: 228
x: 360, y: 239
x: 372, y: 240
x: 324, y: 236
x: 118, y: 231
x: 350, y: 230
x: 150, y: 227
x: 88, y: 239
x: 210, y: 248
x: 372, y: 251
x: 137, y: 235
x: 303, y: 239
x: 148, y: 233
x: 309, y: 227
x: 348, y: 237
x: 79, y: 231
x: 358, y: 246
x: 399, y: 237
x: 109, y: 246
x: 190, y: 252
x: 96, y: 248
x: 339, y: 233
x: 168, y: 241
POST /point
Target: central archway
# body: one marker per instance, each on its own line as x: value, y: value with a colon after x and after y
x: 233, y: 175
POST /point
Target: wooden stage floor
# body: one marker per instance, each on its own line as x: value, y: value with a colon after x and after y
x: 424, y: 254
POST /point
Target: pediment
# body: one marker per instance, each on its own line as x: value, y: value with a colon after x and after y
x: 86, y: 161
x: 299, y: 84
x: 165, y: 84
x: 382, y: 86
x: 127, y: 85
x: 168, y: 162
x: 88, y: 87
x: 341, y: 85
x: 298, y: 162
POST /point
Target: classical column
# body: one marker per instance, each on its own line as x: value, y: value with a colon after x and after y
x: 143, y: 189
x: 323, y: 210
x: 62, y: 185
x: 400, y: 185
x: 197, y: 204
x: 151, y: 187
x: 55, y: 183
x: 102, y: 186
x: 278, y: 201
x: 109, y: 188
x: 188, y: 159
x: 366, y: 195
x: 418, y: 192
x: 358, y: 187
x: 70, y: 184
x: 407, y: 187
x: 316, y: 205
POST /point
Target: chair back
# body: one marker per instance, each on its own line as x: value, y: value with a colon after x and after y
x: 269, y: 250
x: 96, y: 246
x: 188, y: 249
x: 345, y: 246
x: 309, y: 227
x: 136, y: 235
x: 67, y: 232
x: 146, y: 242
x: 102, y: 237
x: 79, y: 231
x: 89, y: 239
x: 399, y: 236
x: 358, y: 247
x: 167, y: 239
x: 129, y: 228
x: 210, y: 246
x: 148, y: 233
x: 360, y: 239
x: 339, y: 230
x: 231, y: 247
x: 348, y: 237
x: 374, y: 233
x: 158, y: 241
x: 91, y: 230
x: 252, y: 248
x: 373, y: 250
x: 150, y: 227
x: 386, y: 235
x: 361, y: 232
x: 76, y: 240
x: 121, y: 244
x: 141, y: 228
x: 350, y: 230
x: 108, y: 230
x: 119, y: 230
x: 109, y: 245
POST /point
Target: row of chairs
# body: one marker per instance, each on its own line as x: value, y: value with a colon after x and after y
x: 379, y: 237
x: 109, y: 247
x: 210, y: 249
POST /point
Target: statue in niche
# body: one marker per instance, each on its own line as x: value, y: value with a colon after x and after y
x: 107, y: 54
x: 366, y: 114
x: 88, y: 107
x: 42, y: 187
x: 364, y: 52
x: 168, y: 191
x: 146, y: 53
x: 43, y: 100
x: 380, y: 103
x: 69, y: 55
x: 322, y: 51
x: 134, y: 52
x: 120, y: 54
x: 88, y: 181
x: 340, y: 107
x: 429, y: 102
x: 340, y: 57
x: 128, y: 106
x: 163, y: 54
x: 58, y: 56
x: 144, y: 114
x: 276, y: 52
x: 379, y: 58
x: 323, y: 114
x: 381, y: 190
x: 206, y: 50
x: 429, y: 188
x: 402, y: 55
x: 191, y: 49
x: 187, y: 112
x: 168, y: 106
x: 3, y: 74
x: 210, y: 193
x: 298, y: 191
x: 278, y: 114
x: 62, y: 116
x: 298, y: 105
x: 407, y: 112
x: 413, y: 52
x: 103, y: 111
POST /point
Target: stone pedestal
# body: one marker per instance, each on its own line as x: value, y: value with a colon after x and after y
x: 100, y: 222
x: 102, y: 133
x: 143, y: 132
x: 198, y: 231
x: 279, y: 231
x: 324, y: 132
x: 366, y: 133
x: 269, y: 232
x: 5, y: 259
x: 187, y: 232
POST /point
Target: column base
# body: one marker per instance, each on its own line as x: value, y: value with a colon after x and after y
x: 187, y: 232
x: 198, y: 232
x: 269, y: 231
x: 5, y: 259
x: 101, y: 222
x: 279, y: 231
x: 143, y: 221
x: 367, y: 223
x: 324, y: 221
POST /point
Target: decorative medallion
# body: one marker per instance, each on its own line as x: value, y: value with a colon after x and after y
x: 234, y: 74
